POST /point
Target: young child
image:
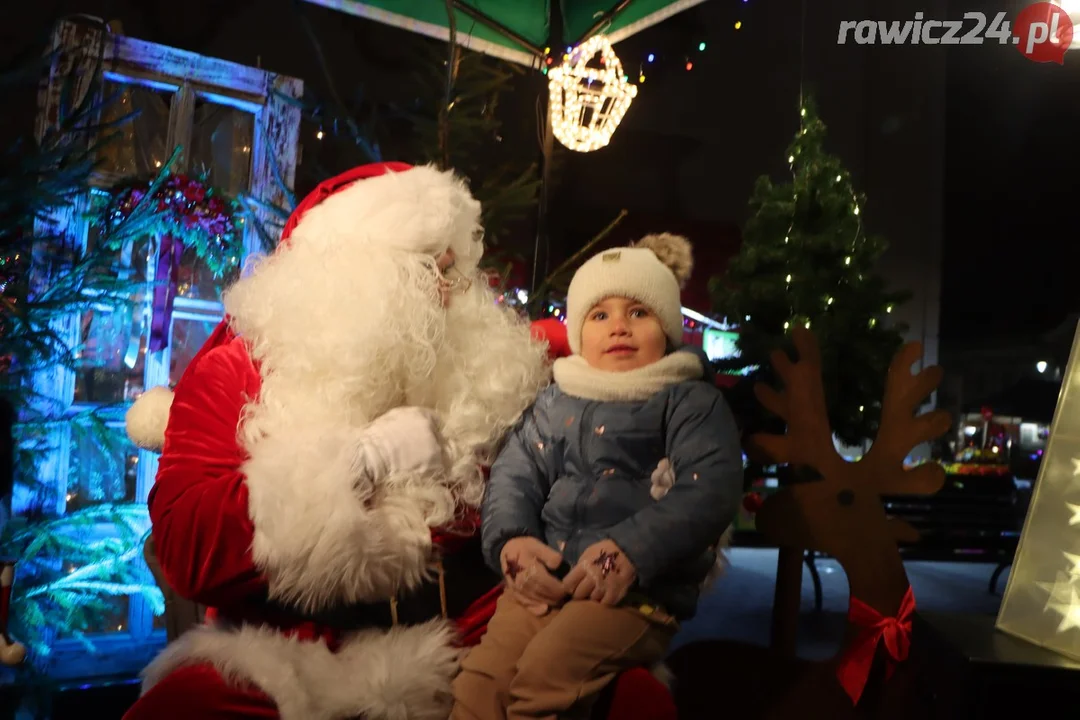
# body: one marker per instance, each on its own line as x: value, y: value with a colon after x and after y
x: 598, y: 570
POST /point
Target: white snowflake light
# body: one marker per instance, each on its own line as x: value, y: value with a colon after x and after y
x: 588, y: 103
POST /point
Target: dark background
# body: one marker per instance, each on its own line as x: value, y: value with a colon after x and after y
x: 994, y: 131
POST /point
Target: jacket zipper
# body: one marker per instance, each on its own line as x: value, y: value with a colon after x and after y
x: 583, y: 433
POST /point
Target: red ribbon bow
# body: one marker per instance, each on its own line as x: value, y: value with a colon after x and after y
x: 895, y: 632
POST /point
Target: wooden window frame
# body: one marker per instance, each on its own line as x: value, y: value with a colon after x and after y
x: 271, y: 99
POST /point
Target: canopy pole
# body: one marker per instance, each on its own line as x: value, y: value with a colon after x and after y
x: 497, y: 27
x: 604, y: 20
x: 448, y: 97
x: 547, y: 150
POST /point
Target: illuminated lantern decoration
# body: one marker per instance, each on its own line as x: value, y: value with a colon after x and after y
x: 587, y: 103
x: 1042, y: 600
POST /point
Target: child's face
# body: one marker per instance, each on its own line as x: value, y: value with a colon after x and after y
x: 621, y: 334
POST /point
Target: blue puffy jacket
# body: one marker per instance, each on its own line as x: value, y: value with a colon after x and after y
x: 576, y: 471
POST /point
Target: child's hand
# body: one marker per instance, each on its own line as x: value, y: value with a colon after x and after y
x: 526, y: 564
x: 603, y: 573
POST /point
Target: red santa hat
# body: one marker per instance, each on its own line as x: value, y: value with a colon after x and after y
x: 393, y: 188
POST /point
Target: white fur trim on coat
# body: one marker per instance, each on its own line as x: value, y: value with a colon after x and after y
x: 322, y: 536
x: 148, y: 417
x: 421, y: 210
x: 403, y: 673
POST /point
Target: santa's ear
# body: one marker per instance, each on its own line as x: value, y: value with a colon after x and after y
x: 148, y: 417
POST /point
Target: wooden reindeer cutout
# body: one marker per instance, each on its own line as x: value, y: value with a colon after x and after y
x: 838, y: 512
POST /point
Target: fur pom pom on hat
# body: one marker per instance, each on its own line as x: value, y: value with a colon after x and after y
x: 652, y: 271
x: 674, y: 251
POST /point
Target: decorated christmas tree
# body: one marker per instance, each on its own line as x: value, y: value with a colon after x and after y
x: 807, y: 259
x: 68, y: 570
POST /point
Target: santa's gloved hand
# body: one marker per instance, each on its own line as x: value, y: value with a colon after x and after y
x: 404, y: 440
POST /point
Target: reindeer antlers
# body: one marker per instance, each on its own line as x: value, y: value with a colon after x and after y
x: 802, y: 405
x: 809, y: 435
x: 901, y: 430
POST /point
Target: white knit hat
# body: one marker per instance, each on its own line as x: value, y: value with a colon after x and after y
x: 651, y: 271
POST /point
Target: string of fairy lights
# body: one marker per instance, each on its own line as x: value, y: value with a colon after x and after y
x: 855, y: 211
x: 649, y: 62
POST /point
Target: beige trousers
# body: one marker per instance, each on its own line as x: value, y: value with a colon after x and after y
x: 554, y: 666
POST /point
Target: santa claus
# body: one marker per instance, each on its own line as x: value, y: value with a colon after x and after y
x: 322, y: 462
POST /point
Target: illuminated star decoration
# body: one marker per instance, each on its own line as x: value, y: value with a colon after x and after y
x: 1074, y: 571
x: 1063, y: 596
x: 513, y: 567
x: 1070, y: 612
x: 606, y: 562
x: 1076, y: 467
x: 1075, y: 510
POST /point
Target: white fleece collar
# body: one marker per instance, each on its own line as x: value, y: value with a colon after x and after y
x: 576, y: 377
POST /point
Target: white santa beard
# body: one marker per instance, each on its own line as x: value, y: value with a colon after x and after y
x: 487, y: 372
x: 337, y: 349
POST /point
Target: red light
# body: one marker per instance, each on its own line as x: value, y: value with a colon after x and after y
x: 689, y: 66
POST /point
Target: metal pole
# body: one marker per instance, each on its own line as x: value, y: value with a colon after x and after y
x: 542, y: 239
x: 497, y: 27
x: 604, y: 20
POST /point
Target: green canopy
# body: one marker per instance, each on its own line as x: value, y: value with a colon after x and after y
x: 515, y: 30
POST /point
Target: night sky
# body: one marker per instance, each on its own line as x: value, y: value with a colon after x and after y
x: 1012, y: 150
x: 1013, y: 155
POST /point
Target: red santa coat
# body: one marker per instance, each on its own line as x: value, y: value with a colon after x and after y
x: 203, y: 532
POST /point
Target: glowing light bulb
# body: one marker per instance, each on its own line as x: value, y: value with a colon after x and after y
x: 860, y: 408
x: 839, y: 178
x: 828, y: 301
x: 689, y: 66
x: 802, y: 112
x: 847, y: 260
x: 641, y: 78
x: 786, y: 325
x: 807, y: 324
x: 888, y: 308
x: 701, y: 47
x: 856, y: 210
x: 319, y: 135
x: 738, y: 24
x: 651, y: 57
x: 791, y: 158
x: 788, y: 278
x: 587, y: 104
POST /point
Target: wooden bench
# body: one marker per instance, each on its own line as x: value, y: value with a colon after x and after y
x: 974, y: 518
